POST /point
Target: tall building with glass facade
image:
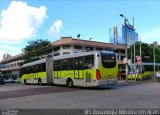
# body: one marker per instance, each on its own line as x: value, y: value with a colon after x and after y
x: 117, y: 35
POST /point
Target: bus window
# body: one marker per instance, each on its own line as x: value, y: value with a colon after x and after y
x: 57, y: 65
x: 79, y: 63
x: 39, y: 68
x: 65, y: 64
x: 108, y: 60
x: 28, y: 70
x: 71, y: 64
x: 89, y: 62
x: 43, y: 67
x: 32, y: 69
x: 22, y: 71
x: 35, y: 68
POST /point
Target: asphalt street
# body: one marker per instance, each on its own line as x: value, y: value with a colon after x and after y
x: 59, y: 99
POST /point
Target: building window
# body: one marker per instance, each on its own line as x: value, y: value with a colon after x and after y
x: 78, y: 47
x: 57, y: 54
x: 99, y: 49
x: 89, y: 48
x: 56, y: 48
x: 66, y: 47
x: 107, y: 49
x: 64, y: 53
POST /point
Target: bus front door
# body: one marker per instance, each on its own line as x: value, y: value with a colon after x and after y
x: 78, y: 74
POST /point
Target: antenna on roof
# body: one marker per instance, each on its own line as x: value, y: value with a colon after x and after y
x: 89, y: 39
x: 78, y: 36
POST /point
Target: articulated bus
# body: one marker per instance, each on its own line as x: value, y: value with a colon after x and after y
x: 87, y: 69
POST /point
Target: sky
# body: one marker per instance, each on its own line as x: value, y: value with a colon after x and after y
x: 26, y: 20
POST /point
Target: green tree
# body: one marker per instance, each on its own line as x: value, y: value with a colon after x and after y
x: 36, y: 49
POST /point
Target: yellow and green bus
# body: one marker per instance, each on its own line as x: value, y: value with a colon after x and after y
x: 86, y: 69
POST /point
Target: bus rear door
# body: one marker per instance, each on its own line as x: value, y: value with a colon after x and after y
x: 79, y: 70
x: 88, y: 72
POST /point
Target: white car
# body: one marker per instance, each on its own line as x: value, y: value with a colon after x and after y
x: 10, y: 80
x: 17, y: 80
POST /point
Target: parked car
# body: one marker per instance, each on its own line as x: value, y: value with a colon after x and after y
x: 17, y: 80
x: 9, y: 80
x: 2, y: 81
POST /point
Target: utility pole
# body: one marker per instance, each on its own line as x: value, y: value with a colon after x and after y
x: 140, y: 58
x: 134, y: 45
x: 154, y: 59
x: 125, y: 40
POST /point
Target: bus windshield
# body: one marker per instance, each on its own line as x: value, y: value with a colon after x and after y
x: 108, y: 60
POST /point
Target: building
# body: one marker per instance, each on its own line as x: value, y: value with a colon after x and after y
x: 117, y: 35
x: 6, y: 56
x: 66, y: 45
x: 155, y: 43
x: 2, y: 66
x: 12, y: 67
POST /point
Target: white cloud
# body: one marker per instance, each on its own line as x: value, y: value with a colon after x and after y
x: 151, y: 36
x: 54, y: 30
x: 20, y: 21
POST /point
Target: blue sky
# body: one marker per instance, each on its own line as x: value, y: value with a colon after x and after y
x: 22, y: 21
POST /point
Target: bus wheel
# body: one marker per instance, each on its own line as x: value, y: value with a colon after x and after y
x: 39, y: 81
x: 69, y: 83
x: 25, y: 82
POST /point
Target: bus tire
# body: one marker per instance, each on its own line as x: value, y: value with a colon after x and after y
x: 39, y: 81
x: 69, y: 82
x: 25, y: 81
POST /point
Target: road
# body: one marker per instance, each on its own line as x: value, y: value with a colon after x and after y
x: 51, y: 98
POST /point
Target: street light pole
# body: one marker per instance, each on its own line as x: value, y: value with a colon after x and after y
x: 126, y: 50
x: 154, y: 60
x: 134, y: 43
x: 131, y: 65
x: 141, y: 58
x: 125, y: 40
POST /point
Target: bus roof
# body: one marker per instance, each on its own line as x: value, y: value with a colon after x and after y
x: 34, y: 63
x: 79, y: 54
x: 65, y: 56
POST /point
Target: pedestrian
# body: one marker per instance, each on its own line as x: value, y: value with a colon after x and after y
x: 158, y: 75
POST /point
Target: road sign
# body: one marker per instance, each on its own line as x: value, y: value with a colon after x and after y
x: 138, y: 60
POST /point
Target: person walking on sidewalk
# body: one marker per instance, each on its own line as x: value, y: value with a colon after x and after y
x: 158, y: 76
